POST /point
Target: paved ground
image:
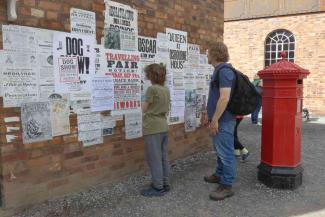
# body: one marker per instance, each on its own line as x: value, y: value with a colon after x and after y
x: 189, y: 195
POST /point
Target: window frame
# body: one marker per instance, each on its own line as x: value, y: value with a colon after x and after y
x: 277, y: 41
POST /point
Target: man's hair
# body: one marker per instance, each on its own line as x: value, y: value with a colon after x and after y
x: 156, y: 73
x: 219, y: 52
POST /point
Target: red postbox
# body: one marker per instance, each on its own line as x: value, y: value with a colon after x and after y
x: 282, y: 98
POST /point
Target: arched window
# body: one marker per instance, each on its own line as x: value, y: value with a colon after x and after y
x: 277, y: 41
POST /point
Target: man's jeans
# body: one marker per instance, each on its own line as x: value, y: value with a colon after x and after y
x: 254, y: 115
x: 223, y: 144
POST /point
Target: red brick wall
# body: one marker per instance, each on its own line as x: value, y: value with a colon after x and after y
x: 34, y: 172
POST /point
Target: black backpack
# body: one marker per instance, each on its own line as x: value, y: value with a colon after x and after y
x: 244, y: 98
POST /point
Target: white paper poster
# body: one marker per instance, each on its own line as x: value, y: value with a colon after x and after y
x: 190, y: 98
x: 83, y: 22
x: 189, y: 77
x: 45, y: 63
x: 1, y: 66
x: 74, y: 64
x: 102, y: 94
x: 201, y: 94
x: 119, y: 39
x: 80, y: 106
x: 203, y: 59
x: 147, y: 48
x: 177, y: 49
x: 177, y: 44
x: 20, y: 78
x: 162, y: 56
x: 90, y: 128
x: 33, y: 48
x: 177, y: 106
x: 60, y: 116
x: 133, y: 125
x: 121, y: 16
x: 100, y: 62
x: 36, y: 122
x: 19, y: 38
x: 190, y: 110
x: 193, y: 54
x: 123, y: 67
x: 108, y: 123
x: 11, y: 119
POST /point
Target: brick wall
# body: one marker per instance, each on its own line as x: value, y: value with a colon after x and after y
x: 34, y: 172
x: 322, y: 5
x: 246, y: 46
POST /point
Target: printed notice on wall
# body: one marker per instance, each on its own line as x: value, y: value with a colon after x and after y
x: 74, y: 64
x: 177, y: 49
x: 121, y: 16
x: 177, y: 43
x: 193, y: 54
x: 20, y: 78
x: 90, y: 128
x: 147, y: 48
x: 108, y: 123
x: 19, y: 38
x: 60, y: 116
x: 36, y: 122
x: 201, y: 97
x: 45, y: 60
x: 133, y: 125
x: 123, y: 67
x: 102, y: 94
x: 162, y: 55
x: 99, y: 60
x: 83, y: 22
x: 190, y: 98
x: 1, y: 66
x: 119, y: 39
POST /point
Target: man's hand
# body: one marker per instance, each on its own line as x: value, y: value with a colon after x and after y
x: 204, y: 118
x: 213, y: 127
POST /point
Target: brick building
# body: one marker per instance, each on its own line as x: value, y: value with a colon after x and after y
x: 31, y: 173
x: 256, y: 30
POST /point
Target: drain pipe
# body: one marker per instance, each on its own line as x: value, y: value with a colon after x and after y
x: 11, y: 10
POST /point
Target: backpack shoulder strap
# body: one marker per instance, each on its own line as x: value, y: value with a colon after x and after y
x: 216, y: 81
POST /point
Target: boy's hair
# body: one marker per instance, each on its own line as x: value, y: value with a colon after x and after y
x: 219, y: 52
x: 156, y: 73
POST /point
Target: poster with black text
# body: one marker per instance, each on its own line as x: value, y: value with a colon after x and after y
x: 74, y: 64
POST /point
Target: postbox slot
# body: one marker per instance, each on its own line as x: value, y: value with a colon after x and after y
x: 299, y: 81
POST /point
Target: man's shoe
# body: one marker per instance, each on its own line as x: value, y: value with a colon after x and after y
x: 237, y: 153
x: 212, y: 179
x: 244, y: 157
x: 221, y: 193
x: 153, y: 192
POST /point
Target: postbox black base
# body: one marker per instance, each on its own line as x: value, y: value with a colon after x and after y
x: 280, y: 177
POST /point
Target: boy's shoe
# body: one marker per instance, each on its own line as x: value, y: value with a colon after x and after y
x: 244, y: 157
x: 152, y: 192
x: 167, y: 188
x: 221, y: 193
x: 212, y: 179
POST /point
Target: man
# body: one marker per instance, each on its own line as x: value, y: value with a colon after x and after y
x: 221, y: 122
x: 257, y: 82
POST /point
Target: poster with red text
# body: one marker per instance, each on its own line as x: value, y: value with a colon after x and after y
x: 123, y: 66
